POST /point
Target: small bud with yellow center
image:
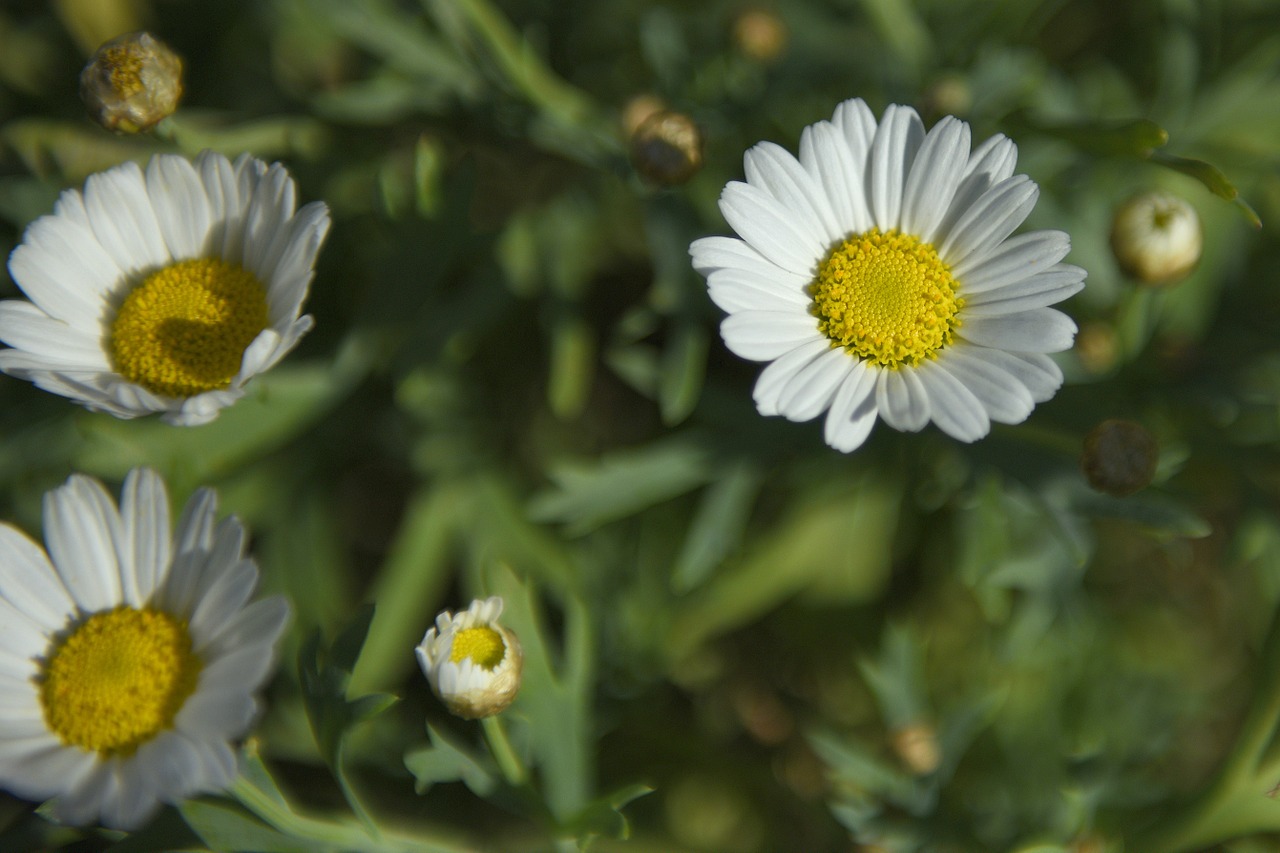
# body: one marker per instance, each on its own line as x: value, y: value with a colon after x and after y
x: 131, y: 83
x: 472, y: 663
x: 1119, y: 457
x: 1156, y: 237
x: 666, y: 149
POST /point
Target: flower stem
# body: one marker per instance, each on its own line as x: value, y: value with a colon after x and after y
x: 495, y: 735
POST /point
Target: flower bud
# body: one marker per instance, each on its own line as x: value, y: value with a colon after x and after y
x: 1119, y: 457
x: 760, y: 34
x: 1156, y: 237
x: 472, y: 663
x: 917, y: 745
x: 131, y: 83
x: 666, y: 149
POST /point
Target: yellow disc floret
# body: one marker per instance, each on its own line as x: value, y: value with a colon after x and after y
x: 886, y: 297
x: 184, y: 329
x: 482, y: 644
x: 119, y: 679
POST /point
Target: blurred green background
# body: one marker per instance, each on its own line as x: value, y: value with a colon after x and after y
x: 516, y: 386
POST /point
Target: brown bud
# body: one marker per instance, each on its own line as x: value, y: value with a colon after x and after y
x: 131, y: 83
x: 1156, y: 237
x: 666, y: 149
x: 1119, y: 457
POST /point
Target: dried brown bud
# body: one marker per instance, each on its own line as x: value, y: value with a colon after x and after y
x: 666, y: 148
x: 131, y: 83
x: 1119, y: 457
x: 1156, y: 237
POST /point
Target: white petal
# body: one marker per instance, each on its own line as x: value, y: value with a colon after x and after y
x: 826, y: 156
x: 810, y: 391
x: 858, y: 126
x: 1013, y: 260
x: 954, y: 408
x: 180, y: 203
x: 774, y: 378
x: 902, y: 400
x: 61, y: 268
x: 740, y: 290
x: 291, y: 278
x: 258, y: 625
x: 39, y: 768
x: 1037, y: 372
x: 991, y: 219
x: 1046, y: 288
x: 770, y: 229
x: 766, y: 335
x: 217, y: 715
x: 934, y: 177
x: 144, y: 509
x: 222, y: 601
x: 990, y: 163
x: 853, y: 410
x: 898, y: 138
x: 1005, y: 398
x: 1037, y: 330
x: 83, y: 533
x: 773, y: 169
x: 123, y: 220
x: 56, y: 344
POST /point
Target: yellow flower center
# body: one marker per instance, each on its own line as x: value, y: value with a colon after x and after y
x: 125, y: 66
x: 184, y: 329
x: 887, y: 298
x: 482, y: 644
x: 119, y: 679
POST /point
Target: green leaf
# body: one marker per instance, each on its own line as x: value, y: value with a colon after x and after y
x: 445, y: 761
x: 1158, y: 513
x: 225, y: 826
x: 587, y: 495
x: 1213, y: 179
x: 1136, y: 138
x: 684, y: 364
x: 603, y: 817
x: 896, y: 678
x: 325, y: 674
x: 717, y: 526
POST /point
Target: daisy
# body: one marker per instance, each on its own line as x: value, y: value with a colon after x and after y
x: 129, y: 656
x: 472, y: 663
x: 877, y: 276
x: 164, y: 291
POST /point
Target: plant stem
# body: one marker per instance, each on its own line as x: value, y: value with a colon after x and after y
x: 513, y: 769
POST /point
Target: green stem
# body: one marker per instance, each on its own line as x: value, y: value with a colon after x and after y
x: 495, y: 734
x: 343, y: 835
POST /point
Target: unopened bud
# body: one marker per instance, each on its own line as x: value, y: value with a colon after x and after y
x: 1097, y: 346
x: 131, y: 83
x: 1156, y: 237
x: 666, y: 148
x: 471, y: 661
x: 760, y: 35
x: 1119, y: 457
x: 638, y: 109
x: 917, y: 745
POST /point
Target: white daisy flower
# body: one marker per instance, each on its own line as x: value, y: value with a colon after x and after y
x: 878, y: 277
x: 129, y: 655
x: 472, y: 663
x: 164, y: 291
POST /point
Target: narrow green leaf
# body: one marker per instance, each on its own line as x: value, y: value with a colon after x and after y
x: 1212, y: 177
x: 684, y: 364
x: 717, y: 526
x: 224, y: 826
x: 446, y: 761
x: 586, y: 495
